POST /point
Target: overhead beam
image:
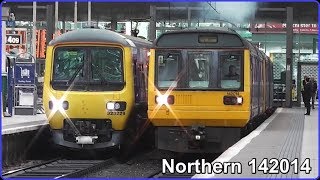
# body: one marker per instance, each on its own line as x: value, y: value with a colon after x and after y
x: 31, y: 7
x: 273, y: 9
x: 183, y: 8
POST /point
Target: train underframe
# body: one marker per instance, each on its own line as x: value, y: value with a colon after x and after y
x: 99, y: 134
x: 204, y: 139
x: 87, y: 134
x: 196, y: 139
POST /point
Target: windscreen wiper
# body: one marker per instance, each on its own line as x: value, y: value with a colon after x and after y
x: 76, y: 73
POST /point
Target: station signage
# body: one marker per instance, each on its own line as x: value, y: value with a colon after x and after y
x: 281, y: 28
x: 24, y: 73
x: 13, y: 39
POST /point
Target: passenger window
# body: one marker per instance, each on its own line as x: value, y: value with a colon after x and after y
x: 199, y: 69
x: 168, y: 70
x: 230, y: 69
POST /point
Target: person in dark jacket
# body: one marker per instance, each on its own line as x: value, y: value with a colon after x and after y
x: 307, y: 95
x: 302, y: 87
x: 314, y: 91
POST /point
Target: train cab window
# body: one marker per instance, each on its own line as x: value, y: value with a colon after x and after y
x: 230, y: 69
x: 167, y: 70
x: 106, y: 64
x: 69, y: 63
x: 198, y: 69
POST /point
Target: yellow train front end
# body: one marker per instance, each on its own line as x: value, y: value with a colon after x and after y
x: 87, y: 93
x: 198, y: 99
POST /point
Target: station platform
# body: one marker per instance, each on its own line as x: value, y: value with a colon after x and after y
x: 19, y: 123
x: 285, y: 136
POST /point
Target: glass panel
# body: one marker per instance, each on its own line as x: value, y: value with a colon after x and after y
x: 106, y: 64
x: 230, y: 68
x: 199, y: 69
x: 69, y: 62
x: 206, y: 69
x: 167, y: 70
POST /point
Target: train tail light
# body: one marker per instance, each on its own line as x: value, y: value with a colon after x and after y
x: 232, y: 100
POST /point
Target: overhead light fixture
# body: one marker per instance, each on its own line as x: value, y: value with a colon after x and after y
x: 30, y: 7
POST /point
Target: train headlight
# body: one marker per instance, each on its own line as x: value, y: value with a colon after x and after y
x: 239, y: 100
x: 116, y: 106
x: 161, y: 99
x: 165, y: 99
x: 58, y: 105
x: 232, y: 100
x: 110, y: 105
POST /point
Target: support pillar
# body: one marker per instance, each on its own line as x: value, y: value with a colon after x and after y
x: 56, y: 17
x: 89, y: 13
x: 152, y: 25
x: 113, y: 25
x: 289, y: 67
x: 34, y: 29
x: 64, y: 24
x: 75, y: 15
x: 189, y: 17
x: 50, y: 24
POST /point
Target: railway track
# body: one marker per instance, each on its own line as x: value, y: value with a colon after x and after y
x: 60, y: 168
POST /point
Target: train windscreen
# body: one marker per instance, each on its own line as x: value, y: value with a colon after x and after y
x: 88, y: 68
x: 199, y: 70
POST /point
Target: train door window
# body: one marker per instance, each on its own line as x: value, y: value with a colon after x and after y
x: 106, y: 64
x: 168, y: 69
x: 231, y: 71
x: 67, y: 62
x: 198, y: 65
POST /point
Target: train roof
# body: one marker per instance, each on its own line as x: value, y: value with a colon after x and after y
x: 184, y: 41
x: 99, y: 36
x: 205, y: 29
x: 221, y: 37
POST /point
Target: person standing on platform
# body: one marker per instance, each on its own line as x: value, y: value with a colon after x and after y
x: 302, y: 87
x: 307, y: 95
x: 314, y: 91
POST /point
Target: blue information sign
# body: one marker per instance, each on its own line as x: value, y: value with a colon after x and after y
x: 24, y: 73
x: 11, y: 23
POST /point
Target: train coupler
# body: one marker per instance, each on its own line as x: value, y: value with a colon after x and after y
x: 198, y: 137
x: 86, y: 139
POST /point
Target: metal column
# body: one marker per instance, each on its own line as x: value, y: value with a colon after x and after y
x: 289, y: 66
x: 152, y: 25
x: 56, y: 17
x: 64, y: 24
x: 76, y: 15
x: 89, y: 13
x: 189, y: 17
x: 113, y: 25
x: 34, y: 29
x: 50, y: 24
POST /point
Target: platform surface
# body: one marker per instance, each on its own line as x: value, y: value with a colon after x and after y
x: 287, y: 134
x: 19, y: 123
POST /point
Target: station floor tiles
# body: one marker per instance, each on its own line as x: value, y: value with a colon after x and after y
x: 287, y: 135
